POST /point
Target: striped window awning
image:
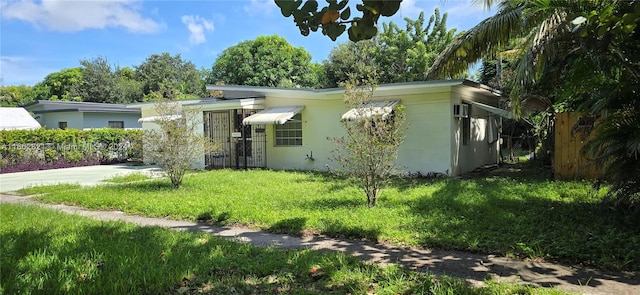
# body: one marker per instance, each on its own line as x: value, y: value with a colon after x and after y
x: 274, y: 115
x: 370, y: 109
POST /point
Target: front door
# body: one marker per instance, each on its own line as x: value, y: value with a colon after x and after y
x: 240, y: 146
x: 250, y: 142
x: 217, y: 126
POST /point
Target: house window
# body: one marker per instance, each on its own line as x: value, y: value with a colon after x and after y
x: 466, y: 126
x: 290, y: 133
x: 116, y: 124
x: 62, y: 125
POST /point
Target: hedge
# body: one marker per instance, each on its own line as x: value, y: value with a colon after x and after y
x: 24, y: 150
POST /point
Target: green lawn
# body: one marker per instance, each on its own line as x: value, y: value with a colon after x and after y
x: 521, y: 217
x: 47, y: 252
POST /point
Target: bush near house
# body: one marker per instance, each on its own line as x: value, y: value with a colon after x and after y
x: 26, y: 150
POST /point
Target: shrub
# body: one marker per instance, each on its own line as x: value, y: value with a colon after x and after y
x: 25, y: 150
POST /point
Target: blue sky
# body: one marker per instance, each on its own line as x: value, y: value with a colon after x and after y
x: 45, y: 36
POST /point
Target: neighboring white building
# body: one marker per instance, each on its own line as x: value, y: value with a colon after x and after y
x: 54, y: 114
x: 453, y: 125
x: 17, y: 119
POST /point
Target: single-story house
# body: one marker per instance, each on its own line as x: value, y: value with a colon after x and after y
x: 453, y: 125
x: 54, y: 114
x: 17, y: 119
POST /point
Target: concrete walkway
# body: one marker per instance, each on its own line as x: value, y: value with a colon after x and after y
x: 88, y: 175
x: 474, y: 268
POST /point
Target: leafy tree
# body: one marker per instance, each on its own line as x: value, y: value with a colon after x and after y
x: 352, y: 62
x: 130, y: 88
x: 369, y: 151
x: 169, y: 77
x: 55, y: 86
x: 99, y: 82
x: 41, y: 92
x: 13, y: 96
x: 266, y: 61
x: 605, y: 74
x: 176, y: 146
x: 406, y: 55
x: 61, y: 83
x: 318, y: 76
x: 396, y: 55
x: 332, y: 20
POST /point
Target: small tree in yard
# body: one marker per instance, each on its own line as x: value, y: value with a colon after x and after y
x: 369, y: 151
x: 176, y: 145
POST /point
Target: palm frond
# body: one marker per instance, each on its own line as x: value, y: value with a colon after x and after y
x: 484, y: 39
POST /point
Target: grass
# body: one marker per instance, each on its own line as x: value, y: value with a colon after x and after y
x: 131, y: 177
x: 48, y: 252
x: 43, y: 189
x: 529, y: 217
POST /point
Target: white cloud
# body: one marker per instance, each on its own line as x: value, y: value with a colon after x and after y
x: 409, y: 9
x: 475, y: 9
x: 198, y: 26
x: 258, y: 7
x: 15, y: 70
x: 70, y: 16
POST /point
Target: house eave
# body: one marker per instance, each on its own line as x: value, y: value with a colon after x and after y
x: 335, y: 93
x: 81, y: 110
x: 211, y: 104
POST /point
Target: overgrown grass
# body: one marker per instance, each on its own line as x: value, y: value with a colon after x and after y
x: 47, y: 252
x: 131, y: 177
x: 525, y: 218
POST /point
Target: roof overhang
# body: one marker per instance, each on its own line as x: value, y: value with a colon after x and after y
x: 212, y: 104
x: 81, y: 110
x: 154, y: 119
x: 275, y: 115
x: 336, y: 93
x: 491, y: 109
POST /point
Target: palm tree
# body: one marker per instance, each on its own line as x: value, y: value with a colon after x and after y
x: 542, y: 31
x: 583, y: 53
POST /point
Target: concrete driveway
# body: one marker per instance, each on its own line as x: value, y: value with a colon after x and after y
x: 88, y: 175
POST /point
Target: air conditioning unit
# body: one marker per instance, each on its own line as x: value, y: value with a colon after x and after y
x: 461, y: 111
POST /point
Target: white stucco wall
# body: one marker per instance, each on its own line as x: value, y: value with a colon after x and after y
x: 478, y: 151
x: 320, y: 119
x: 426, y: 145
x: 425, y: 149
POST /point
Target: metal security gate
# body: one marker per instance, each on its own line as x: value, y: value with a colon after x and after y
x: 217, y: 129
x: 241, y: 146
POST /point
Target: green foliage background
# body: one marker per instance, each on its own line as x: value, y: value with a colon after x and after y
x: 47, y: 145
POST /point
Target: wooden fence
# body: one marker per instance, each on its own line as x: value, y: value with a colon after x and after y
x: 568, y: 161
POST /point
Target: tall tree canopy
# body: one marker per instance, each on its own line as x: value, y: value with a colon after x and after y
x: 352, y: 62
x: 13, y: 96
x: 406, y: 55
x: 99, y: 82
x: 166, y: 76
x: 61, y: 83
x: 265, y: 61
x: 396, y: 55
